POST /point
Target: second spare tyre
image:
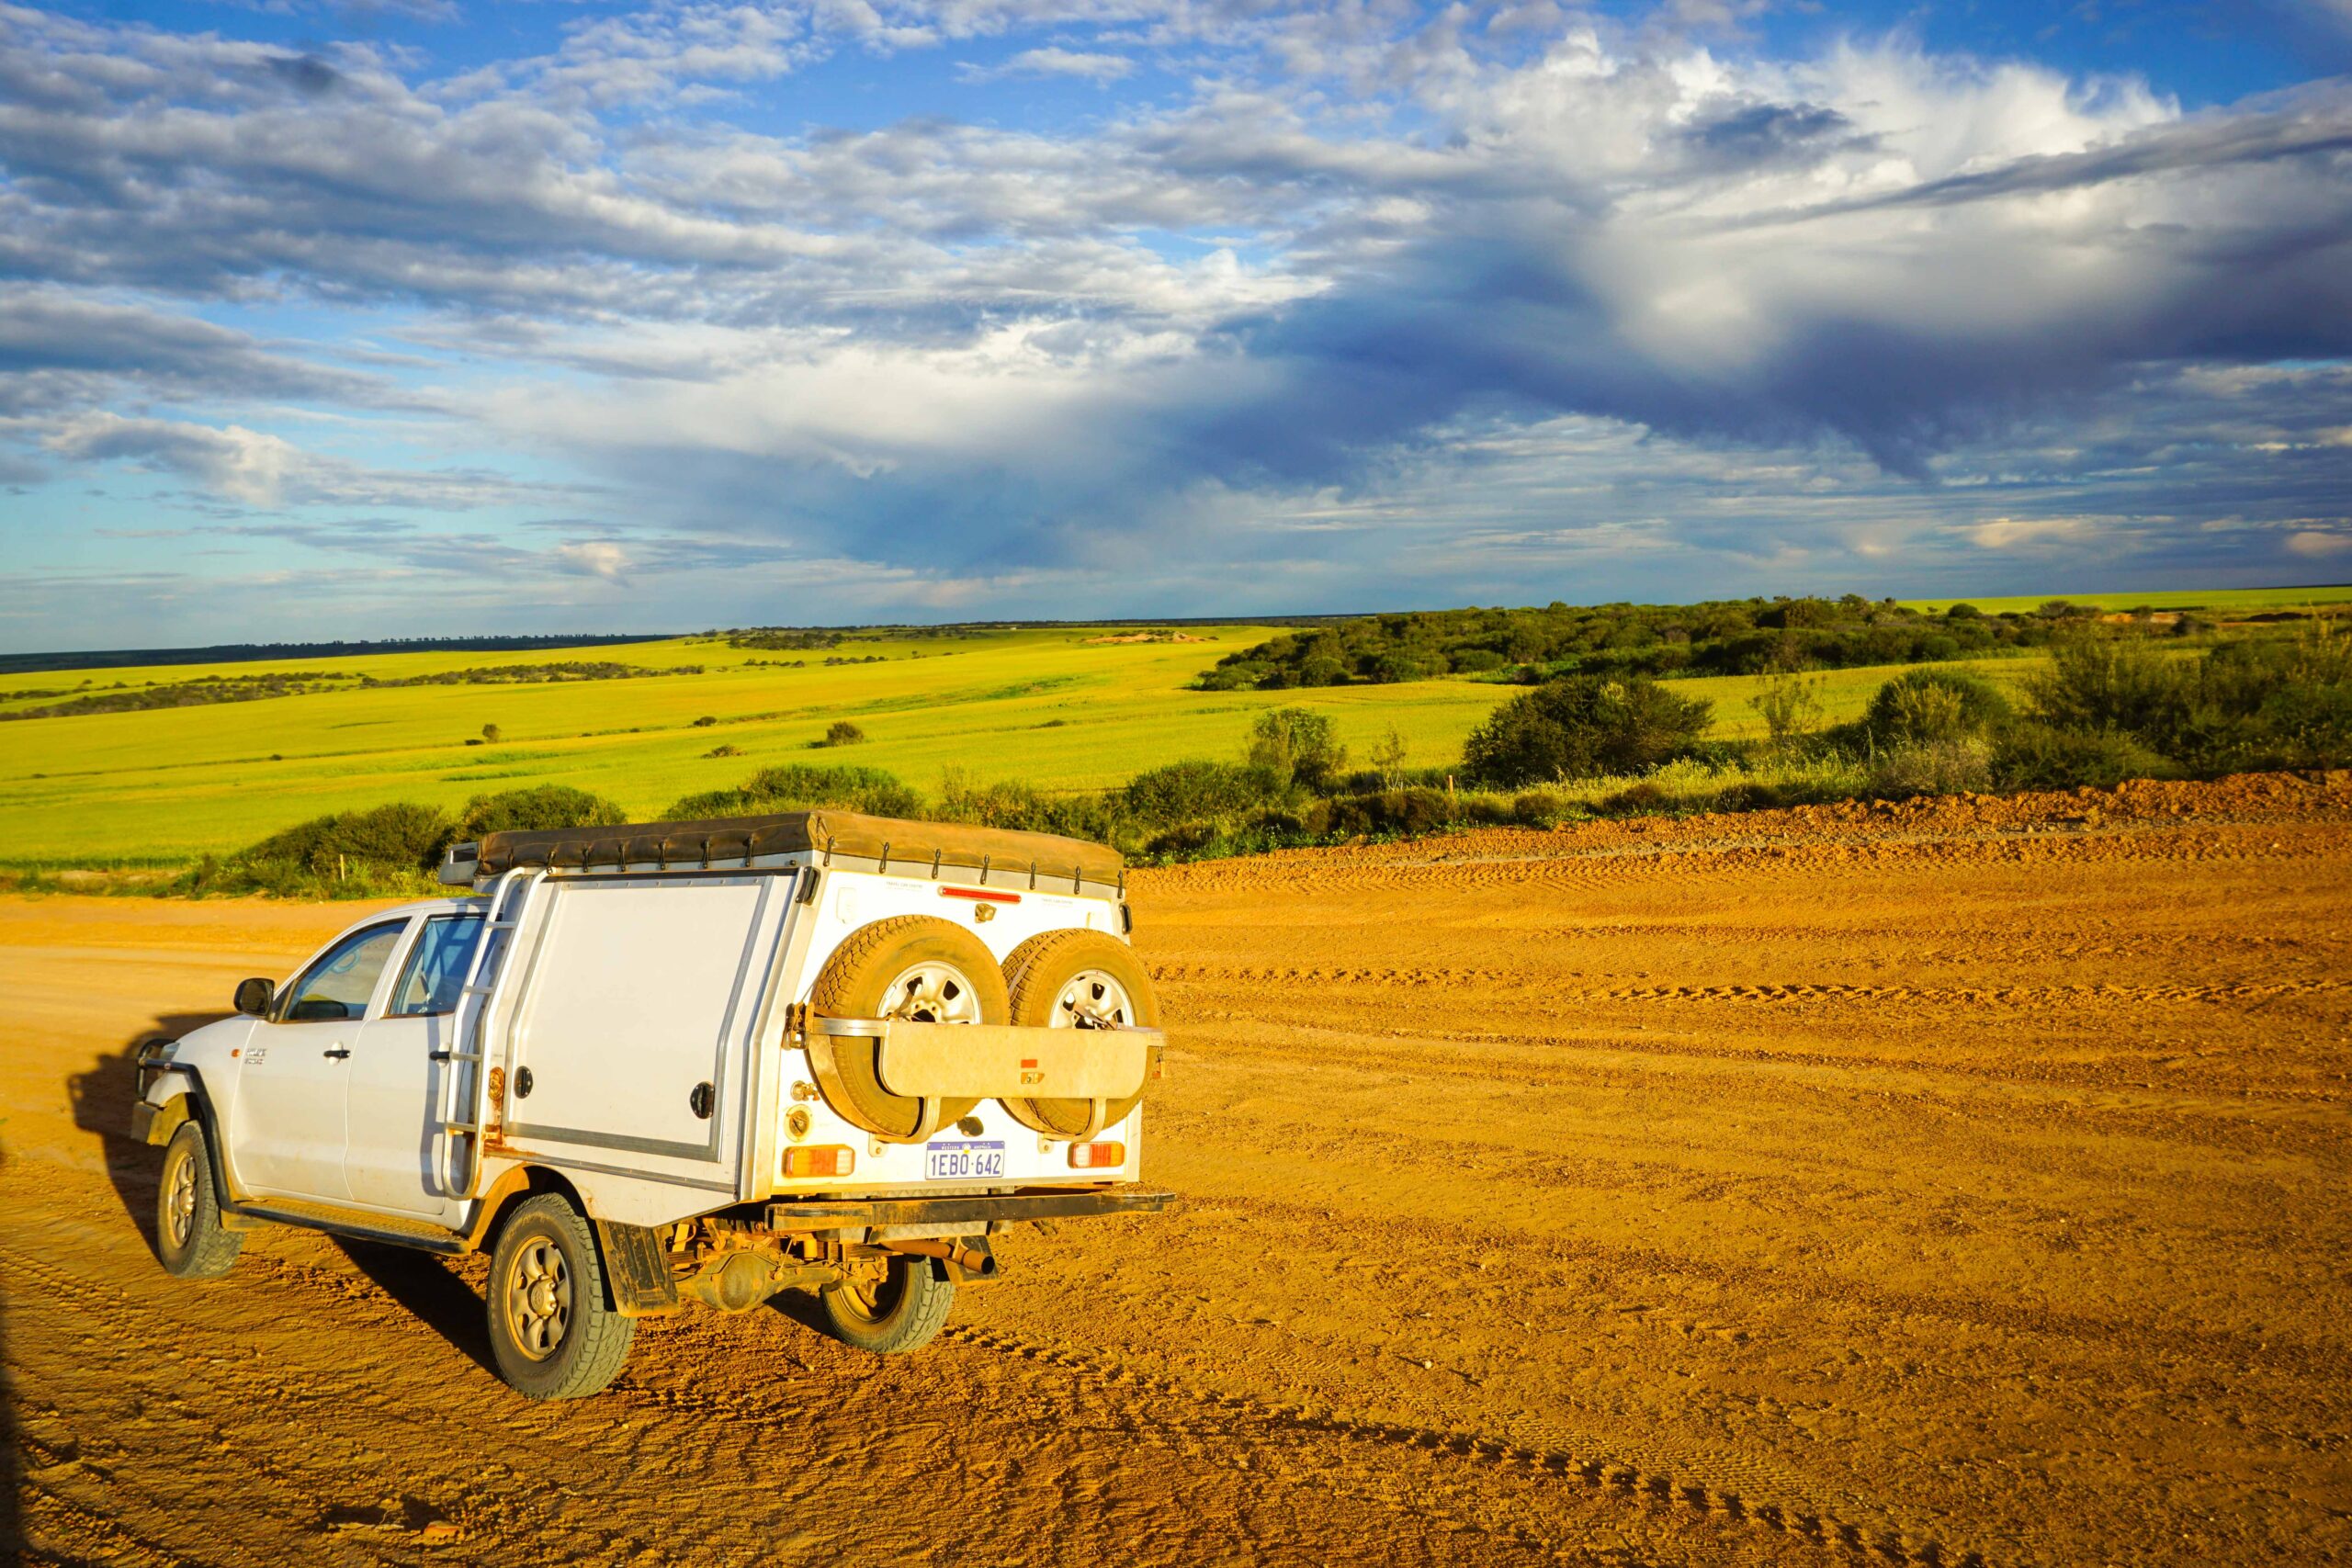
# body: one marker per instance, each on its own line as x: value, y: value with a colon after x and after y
x: 916, y: 967
x: 1078, y: 979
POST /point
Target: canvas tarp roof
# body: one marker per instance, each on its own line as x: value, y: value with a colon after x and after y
x: 737, y: 839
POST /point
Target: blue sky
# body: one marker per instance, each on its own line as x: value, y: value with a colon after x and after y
x: 424, y: 317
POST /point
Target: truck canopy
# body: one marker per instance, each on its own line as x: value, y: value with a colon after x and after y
x: 988, y: 854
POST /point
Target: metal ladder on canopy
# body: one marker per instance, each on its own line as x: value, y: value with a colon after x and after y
x: 464, y: 1087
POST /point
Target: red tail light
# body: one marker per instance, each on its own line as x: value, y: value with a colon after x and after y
x: 1097, y: 1157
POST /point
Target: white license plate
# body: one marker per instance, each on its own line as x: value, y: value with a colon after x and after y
x: 963, y: 1162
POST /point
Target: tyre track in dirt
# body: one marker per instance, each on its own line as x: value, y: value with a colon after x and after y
x: 2238, y: 994
x: 1593, y: 1472
x: 1959, y: 1184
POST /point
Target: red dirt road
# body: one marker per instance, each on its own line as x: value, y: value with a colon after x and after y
x: 1808, y: 1186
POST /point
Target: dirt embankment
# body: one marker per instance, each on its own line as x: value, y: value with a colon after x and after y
x: 1900, y: 1185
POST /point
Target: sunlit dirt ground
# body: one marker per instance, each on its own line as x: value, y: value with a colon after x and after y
x: 1894, y: 1186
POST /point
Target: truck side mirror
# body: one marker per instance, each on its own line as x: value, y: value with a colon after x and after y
x: 255, y: 996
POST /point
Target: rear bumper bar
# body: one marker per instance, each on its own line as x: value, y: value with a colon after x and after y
x: 855, y: 1214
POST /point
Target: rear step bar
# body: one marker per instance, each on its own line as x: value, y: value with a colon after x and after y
x: 1010, y: 1207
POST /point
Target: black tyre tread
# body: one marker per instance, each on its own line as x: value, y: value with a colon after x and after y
x: 1034, y: 972
x: 916, y: 1323
x: 840, y: 992
x: 212, y: 1247
x: 599, y: 1340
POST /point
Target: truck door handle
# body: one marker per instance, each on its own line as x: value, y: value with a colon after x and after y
x: 337, y: 1052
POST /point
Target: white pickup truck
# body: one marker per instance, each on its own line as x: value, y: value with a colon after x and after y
x: 685, y: 1062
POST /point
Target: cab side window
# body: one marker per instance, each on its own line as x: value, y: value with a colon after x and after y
x: 339, y: 983
x: 436, y: 968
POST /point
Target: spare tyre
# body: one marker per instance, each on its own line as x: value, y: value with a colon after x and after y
x: 913, y: 966
x: 1078, y: 979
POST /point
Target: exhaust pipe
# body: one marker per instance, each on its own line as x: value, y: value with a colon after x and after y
x: 975, y: 1263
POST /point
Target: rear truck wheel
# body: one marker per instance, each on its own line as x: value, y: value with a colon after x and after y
x: 917, y: 968
x: 554, y: 1330
x: 901, y: 1312
x: 1077, y: 979
x: 189, y: 1239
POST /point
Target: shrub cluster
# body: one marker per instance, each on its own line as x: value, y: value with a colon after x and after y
x: 802, y: 786
x: 2109, y: 707
x: 1742, y: 637
x: 387, y: 851
x: 1581, y: 725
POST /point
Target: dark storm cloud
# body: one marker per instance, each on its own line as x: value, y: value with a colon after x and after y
x: 306, y: 73
x: 1362, y: 270
x: 1758, y: 133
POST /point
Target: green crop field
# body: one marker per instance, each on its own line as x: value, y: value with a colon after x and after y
x: 2218, y: 603
x: 1058, y: 708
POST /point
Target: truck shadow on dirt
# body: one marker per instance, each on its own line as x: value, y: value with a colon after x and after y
x: 102, y: 1100
x: 423, y: 1284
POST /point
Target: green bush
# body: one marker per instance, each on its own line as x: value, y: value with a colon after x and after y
x: 1790, y: 705
x: 1640, y: 798
x: 1922, y: 706
x: 2240, y: 706
x: 383, y: 852
x: 1397, y: 812
x: 2104, y: 683
x: 1581, y: 725
x: 1322, y: 669
x: 842, y: 732
x: 1198, y: 789
x: 1949, y: 763
x: 1535, y: 808
x: 1021, y: 807
x: 2033, y: 755
x: 403, y: 834
x: 1296, y: 744
x: 546, y: 807
x: 801, y: 786
x: 1749, y: 797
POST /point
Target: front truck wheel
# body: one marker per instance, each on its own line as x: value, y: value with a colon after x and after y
x: 554, y: 1330
x: 901, y: 1312
x: 190, y: 1237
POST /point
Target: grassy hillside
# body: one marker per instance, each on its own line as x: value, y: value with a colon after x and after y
x: 1061, y: 709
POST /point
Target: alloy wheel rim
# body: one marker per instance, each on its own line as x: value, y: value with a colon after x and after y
x: 932, y: 993
x: 1092, y: 999
x: 539, y: 1299
x: 183, y: 1201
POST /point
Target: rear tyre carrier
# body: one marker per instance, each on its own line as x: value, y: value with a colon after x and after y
x: 916, y: 967
x: 1078, y: 979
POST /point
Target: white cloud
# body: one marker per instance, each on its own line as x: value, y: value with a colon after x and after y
x: 2031, y: 533
x: 241, y: 464
x: 1099, y: 69
x: 595, y: 558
